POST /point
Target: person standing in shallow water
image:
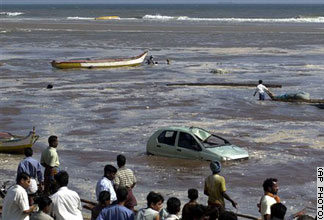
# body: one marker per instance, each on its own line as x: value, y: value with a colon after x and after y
x: 261, y: 89
x: 215, y: 187
x: 50, y: 160
x: 125, y: 178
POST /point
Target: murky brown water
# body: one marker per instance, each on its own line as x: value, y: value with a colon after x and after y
x: 98, y: 114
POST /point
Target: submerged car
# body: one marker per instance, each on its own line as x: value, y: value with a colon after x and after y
x: 193, y: 143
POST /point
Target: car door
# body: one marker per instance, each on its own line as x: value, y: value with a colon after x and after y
x: 166, y: 143
x: 187, y: 146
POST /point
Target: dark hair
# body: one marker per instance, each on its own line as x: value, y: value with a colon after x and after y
x: 22, y: 176
x: 62, y: 178
x: 278, y: 210
x: 198, y: 211
x: 51, y: 140
x: 43, y: 202
x: 173, y: 205
x: 121, y: 194
x: 103, y: 197
x: 269, y: 183
x: 121, y: 160
x: 227, y: 216
x: 110, y: 169
x: 192, y: 194
x: 154, y: 198
x: 260, y: 81
x: 213, y: 212
x: 28, y: 152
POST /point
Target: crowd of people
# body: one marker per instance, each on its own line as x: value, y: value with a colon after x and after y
x: 38, y: 196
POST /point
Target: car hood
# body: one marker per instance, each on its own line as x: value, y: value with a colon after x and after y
x: 229, y: 152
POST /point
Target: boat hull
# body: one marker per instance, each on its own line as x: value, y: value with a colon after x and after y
x: 108, y: 63
x: 18, y: 144
x: 108, y: 18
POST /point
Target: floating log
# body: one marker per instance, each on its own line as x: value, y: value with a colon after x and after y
x: 224, y: 84
x: 89, y: 207
x: 247, y: 216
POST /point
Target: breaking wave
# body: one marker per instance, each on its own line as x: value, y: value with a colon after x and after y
x: 79, y: 18
x: 237, y: 20
x: 11, y: 13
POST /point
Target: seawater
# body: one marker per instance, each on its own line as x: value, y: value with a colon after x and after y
x: 99, y: 113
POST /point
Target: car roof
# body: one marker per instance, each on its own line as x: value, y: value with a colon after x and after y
x: 178, y: 128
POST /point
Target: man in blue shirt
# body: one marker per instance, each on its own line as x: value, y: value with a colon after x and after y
x: 118, y: 211
x: 33, y: 168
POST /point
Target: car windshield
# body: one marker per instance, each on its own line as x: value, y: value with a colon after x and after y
x: 200, y: 133
x: 215, y: 141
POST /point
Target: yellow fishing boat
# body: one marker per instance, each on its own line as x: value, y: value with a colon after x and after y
x: 10, y: 143
x: 108, y: 18
x: 100, y: 63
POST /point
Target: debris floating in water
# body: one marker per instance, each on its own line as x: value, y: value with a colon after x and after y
x: 219, y: 71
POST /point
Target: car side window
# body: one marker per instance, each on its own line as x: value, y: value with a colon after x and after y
x: 167, y: 137
x: 187, y: 141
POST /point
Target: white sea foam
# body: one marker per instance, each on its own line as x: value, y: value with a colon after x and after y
x: 238, y: 20
x: 158, y: 17
x: 79, y: 18
x: 11, y: 13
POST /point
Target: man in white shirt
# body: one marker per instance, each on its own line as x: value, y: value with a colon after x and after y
x: 270, y: 197
x: 15, y: 204
x: 261, y: 89
x: 66, y: 203
x: 106, y: 183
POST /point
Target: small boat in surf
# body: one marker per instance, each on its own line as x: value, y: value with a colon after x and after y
x: 100, y: 63
x: 108, y: 18
x: 16, y: 144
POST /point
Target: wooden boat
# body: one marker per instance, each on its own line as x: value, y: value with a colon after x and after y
x: 10, y: 143
x: 100, y: 63
x: 107, y: 18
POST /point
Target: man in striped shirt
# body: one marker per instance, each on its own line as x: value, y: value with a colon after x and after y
x: 125, y: 178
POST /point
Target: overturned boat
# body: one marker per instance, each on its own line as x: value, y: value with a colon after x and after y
x: 100, y: 63
x: 10, y: 143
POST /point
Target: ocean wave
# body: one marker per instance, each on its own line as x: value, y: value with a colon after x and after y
x: 11, y: 13
x: 79, y: 18
x: 158, y: 17
x: 237, y: 20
